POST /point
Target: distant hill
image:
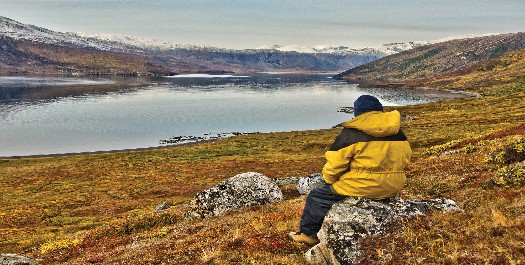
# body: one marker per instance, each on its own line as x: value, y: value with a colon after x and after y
x: 437, y: 59
x: 204, y: 60
x: 27, y: 57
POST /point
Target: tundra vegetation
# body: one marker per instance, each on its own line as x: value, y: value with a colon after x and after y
x: 98, y: 208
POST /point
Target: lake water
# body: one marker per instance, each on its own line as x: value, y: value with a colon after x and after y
x: 54, y: 115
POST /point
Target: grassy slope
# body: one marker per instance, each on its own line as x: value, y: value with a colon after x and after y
x: 45, y: 196
x: 440, y: 58
x: 97, y: 208
x: 502, y: 70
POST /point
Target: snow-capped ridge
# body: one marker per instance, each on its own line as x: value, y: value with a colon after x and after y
x: 108, y: 42
x: 16, y: 30
x: 144, y: 43
x: 308, y: 49
x: 386, y: 49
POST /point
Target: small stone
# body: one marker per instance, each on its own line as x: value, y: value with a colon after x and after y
x: 450, y: 152
x: 163, y: 206
x: 406, y: 118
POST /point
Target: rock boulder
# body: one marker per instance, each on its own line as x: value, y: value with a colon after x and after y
x: 308, y: 183
x: 243, y: 190
x: 355, y: 218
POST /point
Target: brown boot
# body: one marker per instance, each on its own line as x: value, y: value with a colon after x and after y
x: 302, y: 238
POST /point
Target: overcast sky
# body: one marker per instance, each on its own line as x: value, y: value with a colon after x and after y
x: 244, y: 24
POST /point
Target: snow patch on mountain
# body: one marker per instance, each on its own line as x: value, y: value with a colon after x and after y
x: 386, y: 49
x: 16, y: 30
x: 457, y: 37
x: 106, y: 42
x: 143, y: 43
x: 308, y: 49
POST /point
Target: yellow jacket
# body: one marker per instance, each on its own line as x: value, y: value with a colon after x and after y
x: 369, y: 157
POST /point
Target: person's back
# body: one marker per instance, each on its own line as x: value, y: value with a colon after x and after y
x: 367, y: 159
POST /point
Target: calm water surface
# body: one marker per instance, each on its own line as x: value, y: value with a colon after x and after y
x: 51, y: 115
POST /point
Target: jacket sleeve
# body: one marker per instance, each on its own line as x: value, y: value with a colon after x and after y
x: 337, y: 163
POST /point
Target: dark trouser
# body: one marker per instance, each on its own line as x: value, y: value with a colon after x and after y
x: 318, y: 203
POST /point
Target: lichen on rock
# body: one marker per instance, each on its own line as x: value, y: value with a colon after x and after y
x: 242, y: 190
x: 354, y: 218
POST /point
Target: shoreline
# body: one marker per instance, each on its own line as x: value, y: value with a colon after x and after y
x: 107, y: 151
x: 169, y: 144
x: 385, y: 84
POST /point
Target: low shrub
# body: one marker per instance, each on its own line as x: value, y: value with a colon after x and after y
x: 511, y: 152
x: 511, y: 176
x: 60, y: 244
x: 438, y: 149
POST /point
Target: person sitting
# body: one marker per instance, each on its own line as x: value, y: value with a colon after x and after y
x: 367, y: 159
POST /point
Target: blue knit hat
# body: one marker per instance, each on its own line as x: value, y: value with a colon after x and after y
x: 366, y: 103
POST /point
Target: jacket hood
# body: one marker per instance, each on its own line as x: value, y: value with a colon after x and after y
x: 376, y: 123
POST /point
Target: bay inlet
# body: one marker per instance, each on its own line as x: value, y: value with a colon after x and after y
x: 57, y: 115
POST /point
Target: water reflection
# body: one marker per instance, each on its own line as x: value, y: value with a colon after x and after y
x: 14, y: 88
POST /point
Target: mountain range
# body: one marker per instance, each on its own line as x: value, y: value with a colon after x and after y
x: 387, y: 49
x: 31, y: 49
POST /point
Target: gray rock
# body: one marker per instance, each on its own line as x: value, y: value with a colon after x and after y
x: 308, y: 183
x: 406, y: 118
x: 243, y: 190
x: 163, y: 206
x: 450, y: 152
x: 355, y: 218
x: 286, y: 181
x: 13, y: 259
